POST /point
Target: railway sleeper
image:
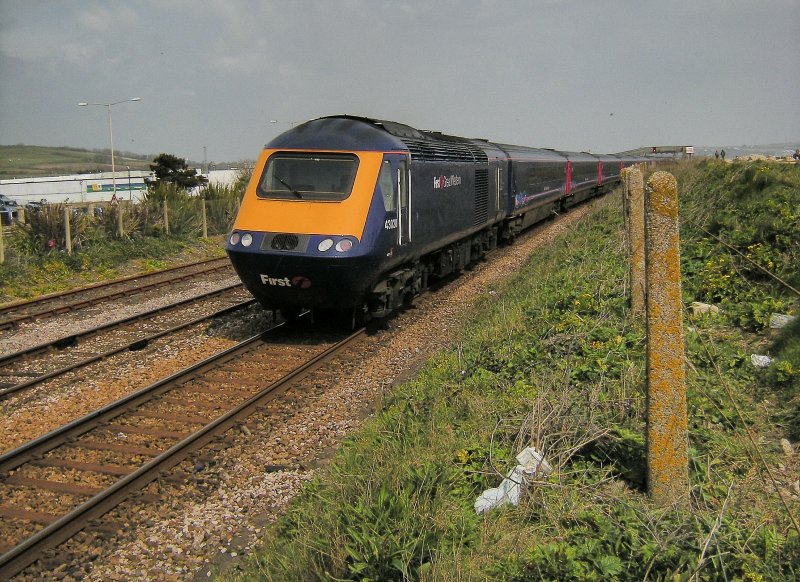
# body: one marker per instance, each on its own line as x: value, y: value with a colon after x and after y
x: 75, y: 489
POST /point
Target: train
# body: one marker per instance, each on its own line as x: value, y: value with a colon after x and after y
x: 358, y: 215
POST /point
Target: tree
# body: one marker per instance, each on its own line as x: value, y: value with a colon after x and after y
x: 169, y: 168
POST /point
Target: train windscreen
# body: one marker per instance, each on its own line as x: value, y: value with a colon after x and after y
x: 308, y: 176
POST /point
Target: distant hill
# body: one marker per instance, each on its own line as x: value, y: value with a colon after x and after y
x: 24, y: 161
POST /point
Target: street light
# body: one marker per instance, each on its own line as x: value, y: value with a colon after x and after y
x: 111, y: 135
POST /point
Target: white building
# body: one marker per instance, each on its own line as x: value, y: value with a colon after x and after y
x: 97, y: 187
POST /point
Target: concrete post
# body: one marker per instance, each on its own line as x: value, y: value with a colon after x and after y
x: 21, y: 215
x: 634, y: 223
x: 667, y: 432
x: 67, y: 230
x: 2, y: 243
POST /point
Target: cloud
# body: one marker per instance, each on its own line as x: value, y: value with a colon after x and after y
x: 537, y: 72
x: 98, y: 19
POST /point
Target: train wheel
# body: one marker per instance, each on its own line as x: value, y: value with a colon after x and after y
x: 354, y: 318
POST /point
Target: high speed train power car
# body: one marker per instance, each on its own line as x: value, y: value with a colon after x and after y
x: 358, y: 215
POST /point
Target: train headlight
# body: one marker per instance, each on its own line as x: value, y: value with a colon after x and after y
x: 247, y: 239
x: 344, y: 245
x: 234, y: 240
x: 325, y: 244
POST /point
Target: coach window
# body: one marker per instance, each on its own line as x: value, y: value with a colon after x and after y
x: 386, y: 184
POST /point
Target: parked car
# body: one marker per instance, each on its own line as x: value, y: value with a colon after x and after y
x: 8, y: 209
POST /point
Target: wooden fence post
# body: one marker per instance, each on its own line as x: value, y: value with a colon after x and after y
x: 203, y: 214
x: 2, y: 243
x: 667, y: 432
x: 634, y: 228
x: 67, y: 230
x: 120, y: 229
x: 166, y: 218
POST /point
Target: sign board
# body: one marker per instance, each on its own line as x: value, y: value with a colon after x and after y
x: 110, y: 187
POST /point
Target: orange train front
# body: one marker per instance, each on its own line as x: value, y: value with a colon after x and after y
x: 357, y: 215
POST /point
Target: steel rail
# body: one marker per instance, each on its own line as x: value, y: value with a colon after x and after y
x: 30, y: 550
x: 14, y: 321
x: 5, y: 392
x: 73, y: 338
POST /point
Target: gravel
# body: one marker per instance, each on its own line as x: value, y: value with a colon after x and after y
x: 31, y: 333
x: 36, y: 411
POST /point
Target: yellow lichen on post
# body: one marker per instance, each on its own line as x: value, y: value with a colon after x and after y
x: 634, y: 223
x: 667, y: 433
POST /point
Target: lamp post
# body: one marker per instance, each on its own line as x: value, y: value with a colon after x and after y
x: 111, y: 136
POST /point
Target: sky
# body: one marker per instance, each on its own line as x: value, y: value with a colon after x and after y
x: 586, y: 75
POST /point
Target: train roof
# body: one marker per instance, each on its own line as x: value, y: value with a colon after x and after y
x: 354, y: 133
x: 347, y: 132
x: 543, y: 154
x: 339, y: 133
x: 581, y: 156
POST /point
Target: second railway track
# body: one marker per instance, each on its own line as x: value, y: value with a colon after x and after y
x: 54, y: 486
x: 40, y: 362
x: 14, y: 314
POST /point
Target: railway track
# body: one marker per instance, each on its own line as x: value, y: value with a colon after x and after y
x: 56, y: 485
x: 12, y: 315
x: 30, y: 366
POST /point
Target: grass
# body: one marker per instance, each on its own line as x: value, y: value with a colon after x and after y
x: 24, y: 161
x: 36, y: 261
x: 556, y: 360
x: 26, y: 278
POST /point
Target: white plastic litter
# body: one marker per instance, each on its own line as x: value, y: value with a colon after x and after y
x: 760, y: 361
x: 531, y: 464
x: 779, y: 320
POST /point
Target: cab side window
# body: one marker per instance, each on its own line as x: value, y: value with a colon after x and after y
x: 386, y: 184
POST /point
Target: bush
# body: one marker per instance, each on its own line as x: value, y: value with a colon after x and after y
x: 222, y: 204
x: 753, y: 208
x: 45, y: 233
